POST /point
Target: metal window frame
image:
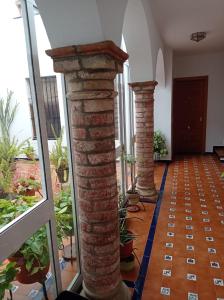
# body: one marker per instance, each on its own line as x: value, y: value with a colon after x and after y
x: 126, y: 121
x: 77, y: 280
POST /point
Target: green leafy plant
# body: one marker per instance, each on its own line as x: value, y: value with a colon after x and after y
x: 26, y: 185
x: 6, y: 176
x: 10, y: 147
x: 7, y: 114
x: 159, y: 144
x: 64, y: 215
x: 29, y: 151
x: 35, y: 252
x: 10, y: 209
x: 125, y: 235
x: 58, y: 155
x: 7, y: 275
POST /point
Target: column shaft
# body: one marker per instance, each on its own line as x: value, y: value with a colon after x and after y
x: 89, y: 73
x: 144, y: 103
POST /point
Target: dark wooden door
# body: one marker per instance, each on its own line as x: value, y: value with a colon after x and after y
x: 189, y: 114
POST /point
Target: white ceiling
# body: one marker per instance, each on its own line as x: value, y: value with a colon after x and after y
x: 177, y: 19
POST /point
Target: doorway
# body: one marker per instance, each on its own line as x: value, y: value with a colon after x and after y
x: 189, y: 114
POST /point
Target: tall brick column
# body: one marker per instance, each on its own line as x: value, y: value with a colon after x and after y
x: 144, y: 102
x: 89, y: 73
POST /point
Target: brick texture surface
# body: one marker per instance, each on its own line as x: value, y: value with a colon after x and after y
x: 144, y: 103
x: 90, y: 84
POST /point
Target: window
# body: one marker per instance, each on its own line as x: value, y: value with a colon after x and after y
x: 51, y: 106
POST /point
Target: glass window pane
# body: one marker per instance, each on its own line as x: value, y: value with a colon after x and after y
x: 20, y: 175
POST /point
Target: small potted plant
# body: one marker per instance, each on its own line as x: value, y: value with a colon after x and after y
x: 29, y: 151
x: 133, y: 196
x: 8, y: 273
x: 126, y: 247
x: 126, y: 241
x: 27, y: 186
x: 59, y: 158
x: 159, y: 145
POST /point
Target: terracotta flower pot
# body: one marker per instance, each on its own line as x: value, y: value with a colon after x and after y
x: 126, y: 249
x: 23, y: 276
x: 29, y: 193
x: 133, y: 198
x: 127, y: 264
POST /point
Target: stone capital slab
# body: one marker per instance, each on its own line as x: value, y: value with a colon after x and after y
x: 97, y: 56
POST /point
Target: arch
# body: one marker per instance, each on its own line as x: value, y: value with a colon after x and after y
x: 160, y: 69
x: 71, y: 22
x: 137, y: 40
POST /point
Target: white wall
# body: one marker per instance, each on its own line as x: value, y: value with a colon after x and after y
x: 163, y: 102
x: 138, y: 45
x: 213, y: 66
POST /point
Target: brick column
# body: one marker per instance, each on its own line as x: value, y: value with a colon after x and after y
x: 89, y: 73
x: 144, y: 102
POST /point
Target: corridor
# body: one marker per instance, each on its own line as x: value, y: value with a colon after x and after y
x: 187, y: 256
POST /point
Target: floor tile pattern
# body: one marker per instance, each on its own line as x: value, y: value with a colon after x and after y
x: 187, y: 260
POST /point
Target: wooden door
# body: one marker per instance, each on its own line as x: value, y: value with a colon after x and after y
x: 189, y: 114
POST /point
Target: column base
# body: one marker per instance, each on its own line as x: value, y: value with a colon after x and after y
x: 150, y: 195
x: 122, y: 292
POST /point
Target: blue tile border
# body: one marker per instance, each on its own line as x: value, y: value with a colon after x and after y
x: 139, y: 283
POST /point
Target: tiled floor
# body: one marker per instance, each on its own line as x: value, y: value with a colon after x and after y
x: 187, y: 260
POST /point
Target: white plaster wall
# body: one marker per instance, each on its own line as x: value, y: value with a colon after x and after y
x: 137, y: 41
x: 155, y: 37
x: 69, y: 22
x: 213, y: 66
x: 163, y: 103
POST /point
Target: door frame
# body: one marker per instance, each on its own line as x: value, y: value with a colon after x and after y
x: 204, y: 113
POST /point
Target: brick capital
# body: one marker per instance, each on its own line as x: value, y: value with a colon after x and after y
x: 143, y: 86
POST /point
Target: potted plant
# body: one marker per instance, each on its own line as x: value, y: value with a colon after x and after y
x: 33, y: 258
x: 27, y: 186
x: 29, y: 151
x: 126, y: 246
x: 126, y: 242
x: 132, y: 194
x: 59, y: 158
x: 8, y: 273
x: 159, y: 145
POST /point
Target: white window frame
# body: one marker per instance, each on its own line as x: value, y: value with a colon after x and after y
x: 14, y: 234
